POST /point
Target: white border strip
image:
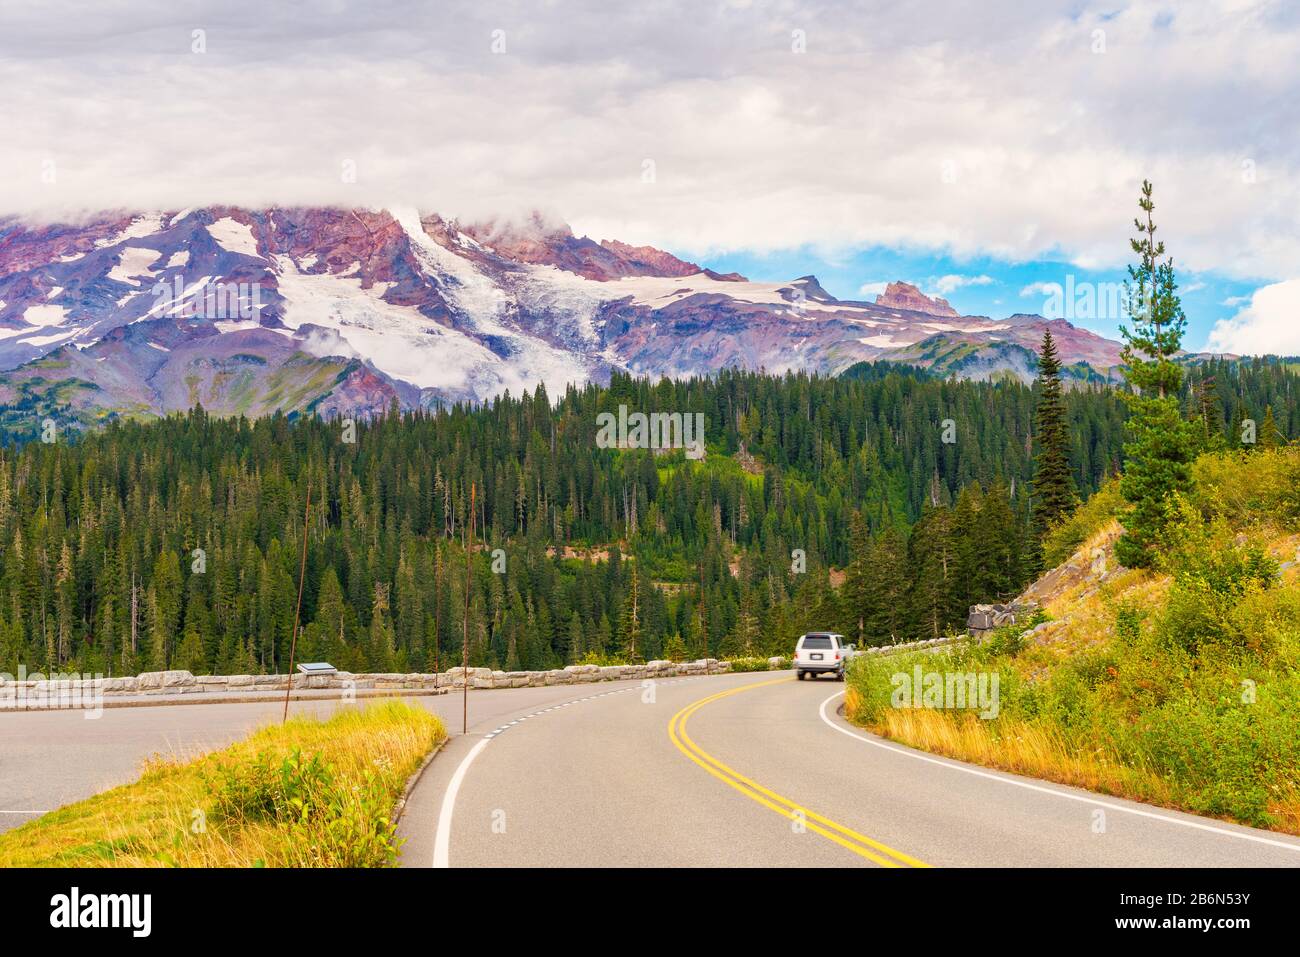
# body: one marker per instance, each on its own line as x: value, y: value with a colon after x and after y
x: 1095, y: 802
x: 442, y: 841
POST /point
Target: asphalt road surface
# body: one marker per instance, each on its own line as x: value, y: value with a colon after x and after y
x: 52, y: 758
x: 759, y: 770
x: 728, y: 770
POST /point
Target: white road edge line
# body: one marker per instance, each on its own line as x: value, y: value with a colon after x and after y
x: 442, y: 840
x: 1095, y: 802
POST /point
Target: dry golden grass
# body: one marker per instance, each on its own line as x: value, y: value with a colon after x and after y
x: 1038, y: 751
x: 1022, y: 748
x: 1083, y: 607
x: 165, y: 817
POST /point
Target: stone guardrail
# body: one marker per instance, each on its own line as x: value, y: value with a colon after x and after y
x: 57, y: 691
x: 183, y: 682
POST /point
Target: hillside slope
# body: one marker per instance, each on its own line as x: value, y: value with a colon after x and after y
x: 1177, y: 687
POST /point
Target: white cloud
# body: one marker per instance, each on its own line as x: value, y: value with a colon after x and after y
x: 1042, y: 289
x: 943, y: 285
x: 989, y: 129
x: 873, y: 289
x: 1270, y: 324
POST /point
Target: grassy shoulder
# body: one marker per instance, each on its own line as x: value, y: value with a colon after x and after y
x: 1177, y: 687
x: 307, y: 793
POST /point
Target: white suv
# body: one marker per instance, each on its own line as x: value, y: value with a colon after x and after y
x: 819, y: 652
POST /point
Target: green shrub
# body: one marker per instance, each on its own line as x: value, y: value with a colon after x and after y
x: 1244, y: 488
x: 755, y: 664
x: 332, y: 825
x: 1213, y: 571
x: 1229, y: 757
x: 675, y: 648
x: 1266, y: 624
x: 604, y: 661
x: 1089, y: 518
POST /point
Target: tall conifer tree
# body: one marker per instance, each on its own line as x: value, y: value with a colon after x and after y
x: 1054, y: 490
x: 1159, y: 456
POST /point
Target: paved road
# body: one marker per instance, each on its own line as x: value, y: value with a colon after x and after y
x: 52, y: 758
x: 759, y: 770
x: 744, y: 770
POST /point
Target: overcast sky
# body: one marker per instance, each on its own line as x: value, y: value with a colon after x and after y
x: 981, y: 146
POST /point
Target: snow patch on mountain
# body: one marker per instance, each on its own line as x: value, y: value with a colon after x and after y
x: 133, y: 261
x: 572, y: 301
x: 138, y: 228
x: 479, y: 298
x: 45, y: 315
x: 471, y: 291
x: 397, y: 339
x: 49, y: 340
x: 234, y: 237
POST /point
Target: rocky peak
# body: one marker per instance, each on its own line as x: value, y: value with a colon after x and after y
x: 903, y: 295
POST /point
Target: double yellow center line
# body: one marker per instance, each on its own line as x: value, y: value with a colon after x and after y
x: 859, y: 844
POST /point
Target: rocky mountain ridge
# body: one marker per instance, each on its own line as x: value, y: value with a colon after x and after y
x: 348, y: 310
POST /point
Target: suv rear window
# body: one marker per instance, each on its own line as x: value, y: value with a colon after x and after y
x: 819, y: 642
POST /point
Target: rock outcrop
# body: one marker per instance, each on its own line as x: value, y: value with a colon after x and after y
x: 986, y: 618
x: 903, y: 295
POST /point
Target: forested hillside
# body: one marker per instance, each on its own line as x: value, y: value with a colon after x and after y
x: 176, y: 543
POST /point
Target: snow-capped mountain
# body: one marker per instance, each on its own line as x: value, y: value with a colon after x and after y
x: 343, y: 311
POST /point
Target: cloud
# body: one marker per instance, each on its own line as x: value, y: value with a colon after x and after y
x: 990, y: 130
x: 943, y: 285
x: 1269, y: 325
x: 873, y: 288
x: 1042, y: 289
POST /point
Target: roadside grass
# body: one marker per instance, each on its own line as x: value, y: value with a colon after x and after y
x: 1022, y: 747
x: 1177, y: 687
x: 307, y: 793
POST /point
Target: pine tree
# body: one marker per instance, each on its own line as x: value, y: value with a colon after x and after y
x: 1158, y: 458
x: 1269, y: 437
x: 743, y: 640
x: 857, y: 582
x: 1209, y: 415
x: 697, y: 635
x: 381, y: 632
x: 997, y: 538
x: 930, y: 556
x: 1055, y: 493
x: 890, y: 588
x: 630, y: 625
x: 577, y: 645
x: 159, y: 633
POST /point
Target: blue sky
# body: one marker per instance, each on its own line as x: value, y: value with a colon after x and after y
x: 991, y: 288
